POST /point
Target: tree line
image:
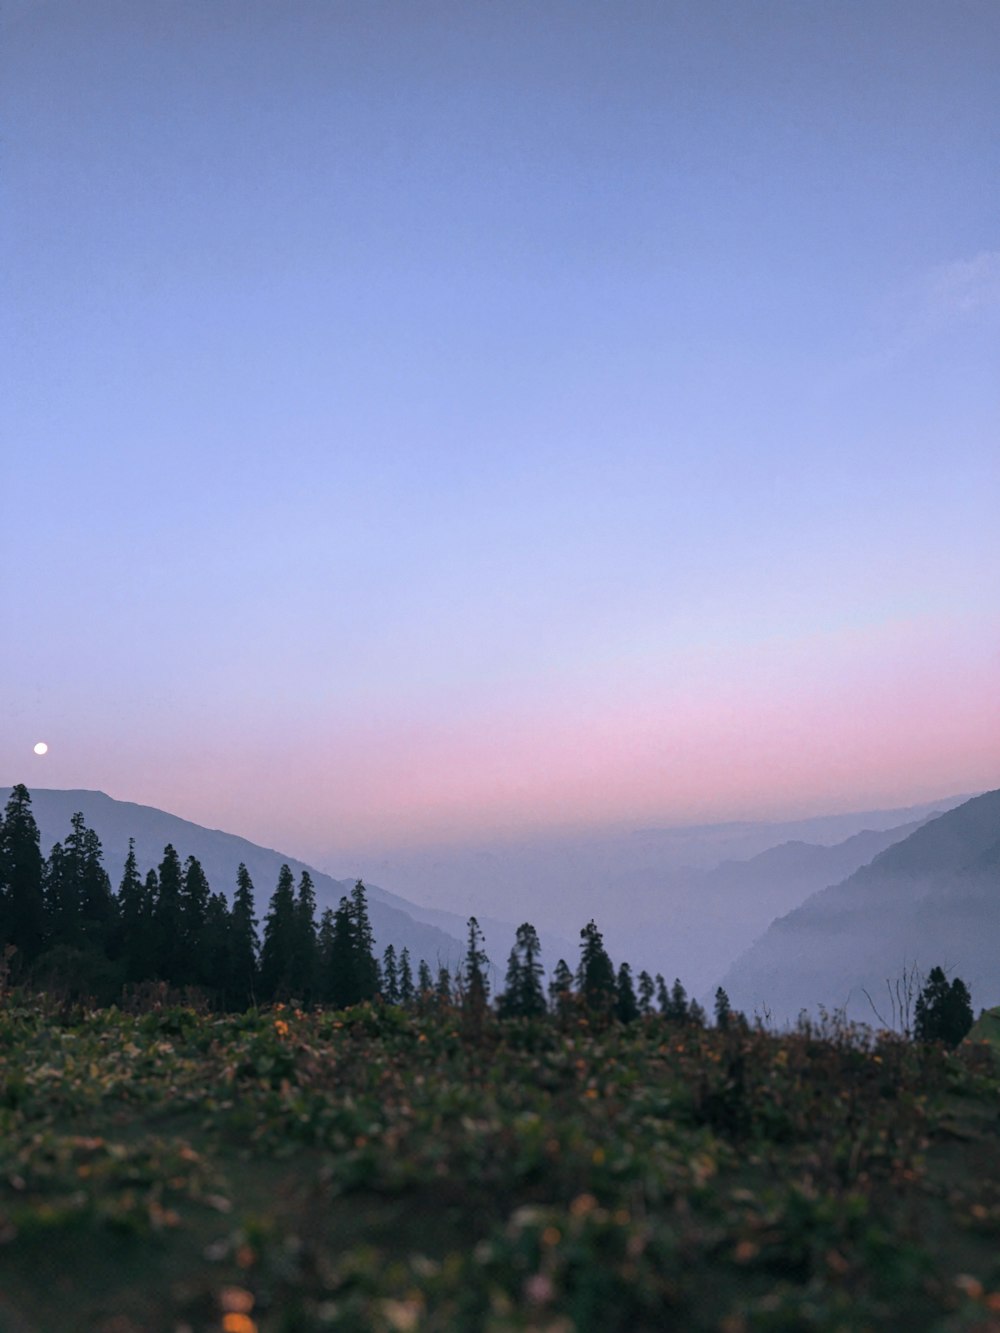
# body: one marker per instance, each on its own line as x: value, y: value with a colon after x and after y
x: 64, y: 927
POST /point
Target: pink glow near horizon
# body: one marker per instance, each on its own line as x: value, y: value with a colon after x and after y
x: 883, y: 716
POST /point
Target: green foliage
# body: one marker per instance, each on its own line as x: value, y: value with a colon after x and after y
x: 374, y: 1169
x: 277, y: 956
x: 22, y: 903
x: 943, y: 1010
x: 626, y: 1004
x: 390, y: 976
x: 595, y: 976
x: 561, y: 989
x: 523, y: 996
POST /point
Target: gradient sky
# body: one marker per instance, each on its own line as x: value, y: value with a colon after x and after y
x: 430, y: 419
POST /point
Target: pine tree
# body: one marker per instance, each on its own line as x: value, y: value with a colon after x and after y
x: 442, y: 991
x: 129, y: 906
x: 561, y: 988
x: 305, y: 959
x: 475, y: 981
x: 97, y: 902
x: 22, y: 902
x: 62, y: 899
x: 943, y: 1012
x: 215, y: 947
x: 390, y: 976
x: 244, y: 943
x: 523, y: 995
x: 646, y: 993
x: 194, y: 898
x: 723, y: 1013
x: 425, y: 982
x: 662, y: 995
x: 342, y: 984
x: 677, y: 1009
x: 365, y: 965
x: 133, y: 944
x: 595, y: 977
x: 626, y: 1005
x: 324, y: 949
x: 406, y: 993
x: 168, y: 923
x: 278, y: 951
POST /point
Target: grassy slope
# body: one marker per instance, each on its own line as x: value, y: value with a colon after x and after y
x: 369, y: 1171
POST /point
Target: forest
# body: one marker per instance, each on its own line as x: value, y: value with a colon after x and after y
x: 66, y: 929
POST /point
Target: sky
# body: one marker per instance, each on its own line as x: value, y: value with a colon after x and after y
x: 432, y: 421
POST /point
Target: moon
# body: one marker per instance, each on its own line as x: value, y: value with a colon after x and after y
x: 41, y: 748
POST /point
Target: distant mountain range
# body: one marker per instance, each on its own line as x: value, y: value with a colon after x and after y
x: 709, y: 917
x: 932, y: 898
x: 220, y: 854
x: 926, y: 889
x: 437, y: 936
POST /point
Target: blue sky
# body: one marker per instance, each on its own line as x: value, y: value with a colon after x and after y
x: 429, y: 418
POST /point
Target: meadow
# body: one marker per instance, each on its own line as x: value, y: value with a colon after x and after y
x: 370, y: 1169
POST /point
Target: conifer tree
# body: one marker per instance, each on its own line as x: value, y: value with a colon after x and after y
x: 342, y: 984
x: 406, y: 993
x: 62, y: 899
x: 365, y: 965
x: 244, y: 943
x: 22, y: 903
x: 677, y: 1010
x: 561, y: 988
x: 97, y: 902
x: 278, y: 950
x: 305, y: 960
x: 168, y: 923
x: 475, y: 981
x: 194, y: 897
x: 646, y: 993
x: 943, y: 1012
x: 442, y: 991
x: 662, y: 995
x: 595, y: 977
x: 135, y: 899
x: 215, y: 947
x: 626, y: 1005
x: 425, y: 982
x: 723, y: 1013
x: 129, y: 906
x: 390, y: 976
x: 324, y: 949
x: 523, y: 995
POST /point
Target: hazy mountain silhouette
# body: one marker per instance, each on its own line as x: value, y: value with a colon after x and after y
x: 220, y: 854
x: 931, y: 899
x: 697, y: 924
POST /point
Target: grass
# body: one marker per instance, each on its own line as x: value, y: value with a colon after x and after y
x: 373, y: 1170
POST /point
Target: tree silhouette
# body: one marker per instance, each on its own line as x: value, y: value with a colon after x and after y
x: 390, y: 976
x: 22, y: 904
x: 278, y: 950
x: 244, y: 943
x: 406, y: 990
x: 943, y: 1012
x: 626, y: 1005
x: 523, y: 996
x: 595, y: 976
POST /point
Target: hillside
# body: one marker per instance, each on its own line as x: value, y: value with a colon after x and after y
x: 220, y: 854
x: 698, y: 923
x: 933, y: 898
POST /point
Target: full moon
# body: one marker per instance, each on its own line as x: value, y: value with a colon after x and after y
x: 41, y: 748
